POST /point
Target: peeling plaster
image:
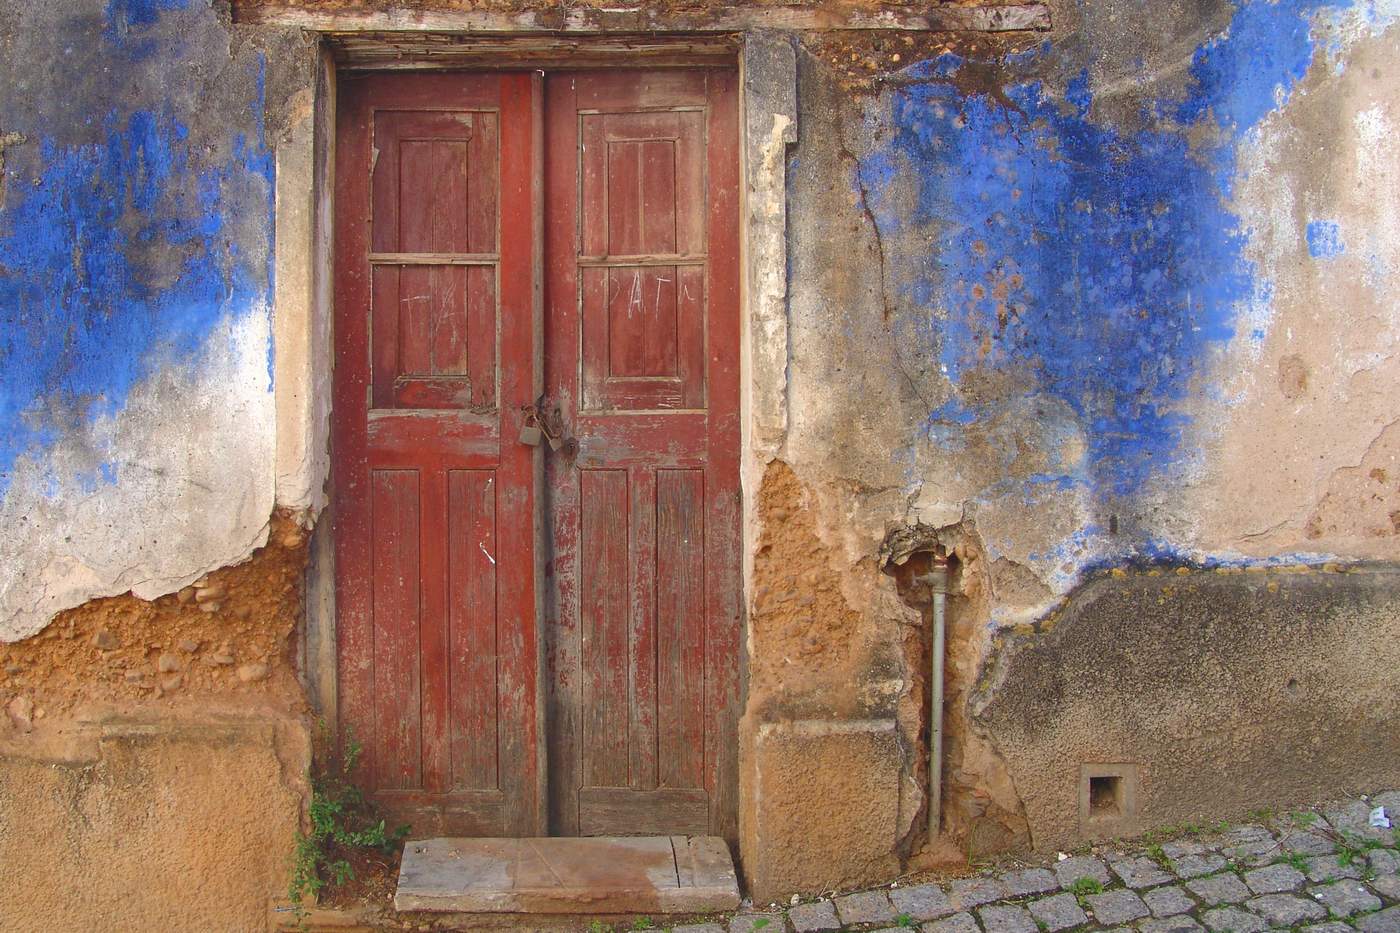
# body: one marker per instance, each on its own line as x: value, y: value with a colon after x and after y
x: 1081, y: 304
x: 170, y: 512
x: 134, y: 294
x: 7, y: 140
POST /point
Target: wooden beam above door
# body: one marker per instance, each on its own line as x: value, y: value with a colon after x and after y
x: 338, y: 16
x: 386, y: 51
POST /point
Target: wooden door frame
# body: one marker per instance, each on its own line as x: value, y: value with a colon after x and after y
x: 303, y: 298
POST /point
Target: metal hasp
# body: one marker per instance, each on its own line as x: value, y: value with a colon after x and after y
x: 937, y: 580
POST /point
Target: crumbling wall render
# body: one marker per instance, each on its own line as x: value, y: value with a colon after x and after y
x: 1119, y: 299
x: 837, y: 720
x: 135, y: 260
x: 228, y: 635
x: 154, y: 739
x: 825, y: 796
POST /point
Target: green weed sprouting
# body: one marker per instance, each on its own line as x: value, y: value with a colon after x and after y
x: 1083, y: 887
x: 342, y: 821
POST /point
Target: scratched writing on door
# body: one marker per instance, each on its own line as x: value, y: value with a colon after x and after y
x: 645, y: 291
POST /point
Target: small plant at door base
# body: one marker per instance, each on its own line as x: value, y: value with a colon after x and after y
x: 643, y: 923
x: 342, y: 821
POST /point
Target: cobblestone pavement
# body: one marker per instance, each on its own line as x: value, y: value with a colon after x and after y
x: 1321, y: 871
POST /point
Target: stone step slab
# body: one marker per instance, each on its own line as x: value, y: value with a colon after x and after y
x: 568, y: 875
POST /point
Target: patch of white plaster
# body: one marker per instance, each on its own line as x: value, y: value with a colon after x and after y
x: 192, y: 453
x: 1340, y: 28
x: 768, y: 284
x: 302, y: 360
x: 1376, y: 161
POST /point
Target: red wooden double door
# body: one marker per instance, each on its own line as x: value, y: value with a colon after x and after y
x: 534, y: 640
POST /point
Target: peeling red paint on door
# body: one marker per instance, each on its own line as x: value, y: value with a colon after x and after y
x: 434, y: 499
x: 435, y: 507
x: 641, y: 359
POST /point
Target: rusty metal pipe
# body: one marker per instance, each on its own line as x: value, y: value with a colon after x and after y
x: 937, y: 580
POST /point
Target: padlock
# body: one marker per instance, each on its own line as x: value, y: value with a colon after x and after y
x: 543, y: 421
x: 530, y: 433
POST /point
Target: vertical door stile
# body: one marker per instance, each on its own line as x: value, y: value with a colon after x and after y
x: 561, y: 386
x: 723, y: 512
x: 516, y: 536
x: 537, y: 523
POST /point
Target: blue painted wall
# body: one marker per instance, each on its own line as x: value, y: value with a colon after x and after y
x: 1102, y: 263
x: 1085, y: 259
x: 124, y: 236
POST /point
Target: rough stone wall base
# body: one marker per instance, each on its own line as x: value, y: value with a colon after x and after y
x: 821, y: 807
x: 1211, y: 694
x: 139, y: 821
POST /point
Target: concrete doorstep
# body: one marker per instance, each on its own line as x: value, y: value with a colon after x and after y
x: 563, y: 875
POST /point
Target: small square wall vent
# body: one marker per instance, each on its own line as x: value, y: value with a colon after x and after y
x: 1105, y: 796
x: 1107, y: 799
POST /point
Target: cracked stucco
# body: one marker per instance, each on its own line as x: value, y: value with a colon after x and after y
x: 1295, y: 402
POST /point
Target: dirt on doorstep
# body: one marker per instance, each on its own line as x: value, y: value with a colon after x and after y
x: 374, y: 877
x: 228, y: 634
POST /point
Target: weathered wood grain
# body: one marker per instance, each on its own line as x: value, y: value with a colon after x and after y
x: 638, y: 165
x: 436, y: 240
